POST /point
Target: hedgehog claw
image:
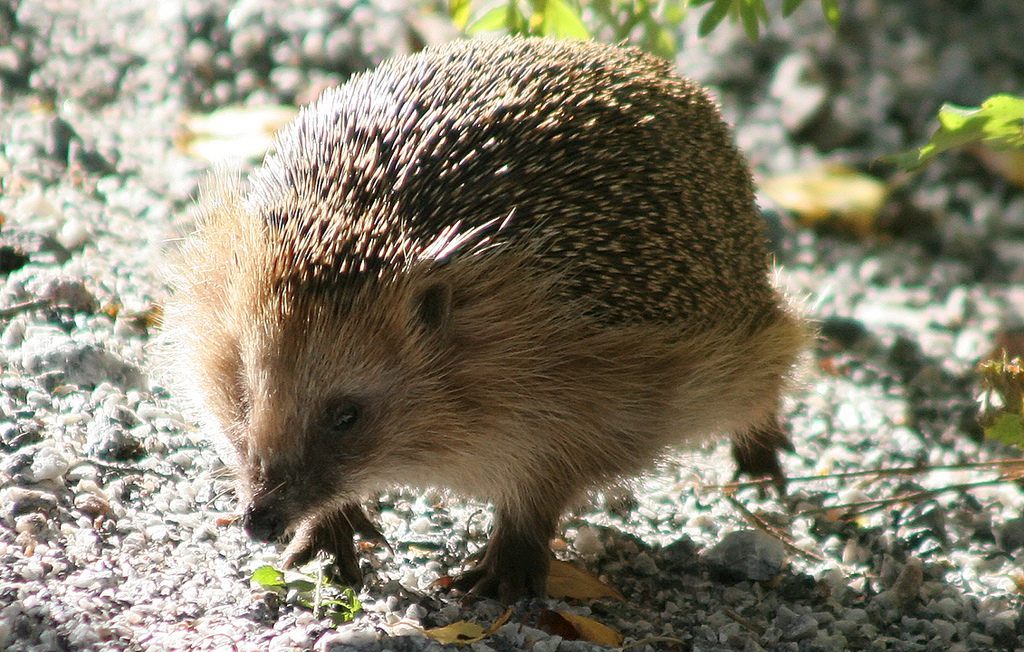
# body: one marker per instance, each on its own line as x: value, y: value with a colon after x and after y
x: 507, y: 571
x: 757, y: 453
x: 334, y: 535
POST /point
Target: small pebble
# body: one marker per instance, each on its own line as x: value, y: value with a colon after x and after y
x: 48, y: 464
x: 92, y: 505
x: 748, y: 554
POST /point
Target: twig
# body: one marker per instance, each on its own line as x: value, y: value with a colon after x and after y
x: 913, y: 496
x: 318, y: 593
x: 121, y: 468
x: 750, y: 625
x: 772, y: 531
x: 653, y: 639
x: 24, y: 306
x: 900, y: 470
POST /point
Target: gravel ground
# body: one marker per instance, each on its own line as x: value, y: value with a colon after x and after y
x: 112, y: 507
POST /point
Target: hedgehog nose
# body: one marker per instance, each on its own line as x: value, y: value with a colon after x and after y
x: 262, y: 522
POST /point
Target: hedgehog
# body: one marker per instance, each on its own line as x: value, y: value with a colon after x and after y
x: 519, y: 270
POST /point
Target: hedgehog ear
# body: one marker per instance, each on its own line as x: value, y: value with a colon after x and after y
x: 433, y: 306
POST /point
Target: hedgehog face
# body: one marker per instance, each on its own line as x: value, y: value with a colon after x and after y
x: 333, y: 402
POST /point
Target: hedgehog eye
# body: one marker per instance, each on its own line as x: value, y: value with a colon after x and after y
x: 341, y: 417
x: 434, y: 307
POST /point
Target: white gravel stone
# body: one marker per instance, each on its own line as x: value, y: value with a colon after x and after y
x: 48, y: 463
x: 587, y: 542
x: 421, y: 525
x: 73, y: 234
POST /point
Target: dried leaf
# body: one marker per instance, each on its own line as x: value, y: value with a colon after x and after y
x: 573, y: 627
x: 110, y: 309
x: 834, y: 197
x: 568, y: 581
x: 463, y: 632
x: 445, y: 583
x: 1008, y: 164
x: 1018, y: 581
x: 233, y: 133
x: 555, y: 624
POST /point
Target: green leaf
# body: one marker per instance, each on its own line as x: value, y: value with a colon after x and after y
x: 762, y: 11
x: 831, y: 10
x: 341, y: 604
x: 1007, y: 429
x: 663, y: 43
x: 342, y: 617
x: 562, y: 20
x: 496, y: 19
x: 302, y: 586
x: 789, y: 6
x: 748, y: 14
x: 674, y: 13
x: 713, y: 17
x: 268, y: 577
x: 459, y: 10
x: 998, y: 123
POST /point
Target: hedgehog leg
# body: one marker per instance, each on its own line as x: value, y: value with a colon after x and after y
x: 333, y: 534
x: 756, y: 452
x: 517, y: 557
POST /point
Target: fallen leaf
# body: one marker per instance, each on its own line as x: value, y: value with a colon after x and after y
x: 463, y: 632
x: 1008, y: 164
x: 568, y: 581
x: 831, y: 197
x: 574, y: 627
x: 233, y: 132
x: 445, y: 582
x: 111, y: 309
x: 555, y: 624
x: 1018, y: 581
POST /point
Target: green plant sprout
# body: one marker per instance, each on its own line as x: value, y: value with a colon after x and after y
x: 998, y: 124
x: 1002, y: 384
x: 320, y: 595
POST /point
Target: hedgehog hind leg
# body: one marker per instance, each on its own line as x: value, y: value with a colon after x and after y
x: 757, y: 450
x: 516, y: 560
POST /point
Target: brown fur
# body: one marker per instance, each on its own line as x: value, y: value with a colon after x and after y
x: 530, y: 288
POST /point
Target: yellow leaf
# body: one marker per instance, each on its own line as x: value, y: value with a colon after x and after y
x: 593, y: 631
x: 835, y: 196
x: 567, y: 581
x: 233, y: 132
x: 1008, y: 164
x: 463, y: 632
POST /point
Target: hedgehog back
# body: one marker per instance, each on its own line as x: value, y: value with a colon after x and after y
x: 613, y: 171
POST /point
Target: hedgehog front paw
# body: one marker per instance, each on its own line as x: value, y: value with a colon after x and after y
x: 511, y: 568
x: 333, y: 534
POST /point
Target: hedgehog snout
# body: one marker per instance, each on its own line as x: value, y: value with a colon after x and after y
x: 263, y: 521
